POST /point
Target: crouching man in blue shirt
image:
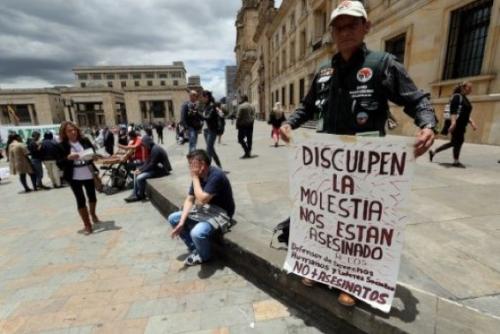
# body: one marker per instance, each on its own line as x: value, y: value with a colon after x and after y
x: 208, y: 207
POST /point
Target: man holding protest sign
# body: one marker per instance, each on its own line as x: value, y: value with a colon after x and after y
x: 351, y: 94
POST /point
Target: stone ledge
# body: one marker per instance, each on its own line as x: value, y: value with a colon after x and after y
x: 246, y: 250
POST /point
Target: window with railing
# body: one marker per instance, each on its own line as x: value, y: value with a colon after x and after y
x: 467, y: 39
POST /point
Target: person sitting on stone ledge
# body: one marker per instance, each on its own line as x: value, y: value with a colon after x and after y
x: 208, y: 208
x: 157, y: 165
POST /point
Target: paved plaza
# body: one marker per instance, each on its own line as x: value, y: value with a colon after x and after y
x: 128, y: 277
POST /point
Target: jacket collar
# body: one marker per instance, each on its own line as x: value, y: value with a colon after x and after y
x: 358, y: 56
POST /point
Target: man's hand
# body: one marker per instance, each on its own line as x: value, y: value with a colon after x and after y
x: 136, y: 172
x: 286, y: 132
x: 177, y: 230
x: 452, y: 127
x: 425, y: 139
x: 73, y: 156
x: 473, y: 124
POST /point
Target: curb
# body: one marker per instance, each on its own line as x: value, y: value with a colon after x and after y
x: 246, y: 250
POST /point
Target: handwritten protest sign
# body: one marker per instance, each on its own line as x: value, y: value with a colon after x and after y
x: 347, y: 223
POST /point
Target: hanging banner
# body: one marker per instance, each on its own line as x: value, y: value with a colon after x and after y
x: 26, y: 131
x: 347, y: 222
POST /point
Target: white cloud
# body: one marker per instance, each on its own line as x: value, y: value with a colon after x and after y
x: 40, y: 41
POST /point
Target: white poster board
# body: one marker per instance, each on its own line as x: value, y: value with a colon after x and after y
x: 347, y: 222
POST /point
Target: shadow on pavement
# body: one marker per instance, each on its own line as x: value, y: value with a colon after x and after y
x: 208, y: 269
x: 106, y: 226
x: 405, y: 299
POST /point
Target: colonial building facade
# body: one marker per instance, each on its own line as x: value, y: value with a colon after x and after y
x: 440, y: 42
x: 104, y: 95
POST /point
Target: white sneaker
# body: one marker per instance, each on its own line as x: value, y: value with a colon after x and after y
x: 193, y: 259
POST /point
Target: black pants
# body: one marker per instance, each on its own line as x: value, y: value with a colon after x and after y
x: 109, y: 149
x: 22, y: 178
x: 457, y: 140
x: 245, y: 136
x: 77, y: 187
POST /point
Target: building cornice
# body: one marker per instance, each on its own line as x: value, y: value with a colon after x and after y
x: 129, y: 68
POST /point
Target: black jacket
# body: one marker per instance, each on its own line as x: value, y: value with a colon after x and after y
x: 67, y: 165
x: 211, y: 117
x: 352, y: 97
x: 157, y: 161
x: 51, y: 150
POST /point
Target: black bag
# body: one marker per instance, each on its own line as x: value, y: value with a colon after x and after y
x: 284, y: 229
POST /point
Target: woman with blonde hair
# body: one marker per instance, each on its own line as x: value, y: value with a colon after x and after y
x: 78, y: 170
x: 460, y: 111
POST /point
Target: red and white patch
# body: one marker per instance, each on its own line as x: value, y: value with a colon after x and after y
x: 364, y: 74
x: 344, y: 5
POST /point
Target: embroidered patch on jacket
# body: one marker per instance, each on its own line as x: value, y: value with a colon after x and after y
x: 364, y: 74
x: 326, y: 72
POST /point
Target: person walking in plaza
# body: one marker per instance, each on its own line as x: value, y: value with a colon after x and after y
x: 222, y: 122
x: 276, y: 119
x: 35, y: 149
x: 208, y: 207
x: 211, y: 118
x: 245, y: 118
x: 460, y: 112
x: 19, y: 161
x: 157, y: 165
x: 51, y: 153
x: 108, y: 140
x: 159, y: 131
x: 191, y: 119
x: 351, y: 94
x: 79, y: 170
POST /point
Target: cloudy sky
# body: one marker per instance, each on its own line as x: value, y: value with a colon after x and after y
x: 42, y: 40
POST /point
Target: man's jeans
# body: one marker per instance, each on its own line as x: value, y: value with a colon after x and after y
x: 196, y: 235
x: 140, y: 182
x: 38, y: 169
x: 210, y: 138
x: 193, y: 138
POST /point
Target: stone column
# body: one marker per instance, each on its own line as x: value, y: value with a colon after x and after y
x: 33, y: 117
x: 109, y: 108
x: 167, y: 112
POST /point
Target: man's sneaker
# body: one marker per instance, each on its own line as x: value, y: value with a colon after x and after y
x: 132, y: 199
x: 193, y: 259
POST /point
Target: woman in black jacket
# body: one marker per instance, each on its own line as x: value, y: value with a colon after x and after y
x: 211, y: 117
x: 78, y: 170
x: 460, y: 111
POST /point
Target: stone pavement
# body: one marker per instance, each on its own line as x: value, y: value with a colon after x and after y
x: 128, y: 277
x: 451, y: 250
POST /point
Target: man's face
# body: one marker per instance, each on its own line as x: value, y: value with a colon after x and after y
x: 197, y: 167
x: 193, y: 97
x: 348, y: 32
